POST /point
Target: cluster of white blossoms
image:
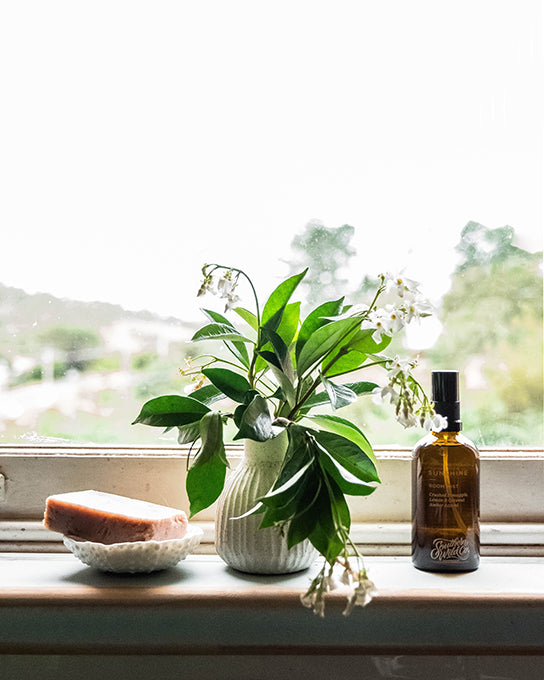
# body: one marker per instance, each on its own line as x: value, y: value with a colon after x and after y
x: 410, y: 306
x: 361, y: 589
x: 225, y: 287
x: 412, y: 407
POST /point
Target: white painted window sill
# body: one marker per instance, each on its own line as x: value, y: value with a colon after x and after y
x: 52, y: 604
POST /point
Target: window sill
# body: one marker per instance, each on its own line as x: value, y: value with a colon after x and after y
x: 52, y: 604
x: 383, y: 539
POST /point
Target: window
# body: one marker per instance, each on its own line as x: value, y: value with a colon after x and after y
x: 140, y: 141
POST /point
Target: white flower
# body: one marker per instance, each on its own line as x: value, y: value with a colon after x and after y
x: 319, y: 608
x: 397, y: 366
x: 314, y: 600
x: 439, y: 423
x: 231, y: 301
x: 416, y: 307
x: 308, y: 598
x: 406, y: 418
x: 225, y: 289
x: 347, y: 577
x: 225, y: 285
x: 395, y: 318
x: 331, y: 583
x: 206, y: 286
x: 362, y: 594
x: 379, y: 394
x: 314, y: 597
x: 380, y: 330
x: 401, y: 284
x: 381, y: 322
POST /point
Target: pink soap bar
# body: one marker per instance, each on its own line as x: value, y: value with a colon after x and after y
x: 107, y: 518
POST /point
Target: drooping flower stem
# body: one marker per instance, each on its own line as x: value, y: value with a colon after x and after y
x: 214, y: 266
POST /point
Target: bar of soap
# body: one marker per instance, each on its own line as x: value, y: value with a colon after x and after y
x: 107, y: 518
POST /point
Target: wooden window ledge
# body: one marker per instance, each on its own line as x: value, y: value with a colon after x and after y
x: 53, y: 604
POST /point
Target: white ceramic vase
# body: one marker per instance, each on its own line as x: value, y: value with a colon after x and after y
x: 240, y: 542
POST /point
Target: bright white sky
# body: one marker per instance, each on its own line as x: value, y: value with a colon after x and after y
x: 141, y: 139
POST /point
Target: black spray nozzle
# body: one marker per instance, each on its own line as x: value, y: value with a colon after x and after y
x: 446, y: 398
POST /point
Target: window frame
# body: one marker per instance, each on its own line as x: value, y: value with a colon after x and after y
x: 512, y: 484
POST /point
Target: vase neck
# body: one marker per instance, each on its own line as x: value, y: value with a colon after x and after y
x: 270, y: 451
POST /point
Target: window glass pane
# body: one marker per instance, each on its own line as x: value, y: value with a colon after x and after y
x: 140, y: 140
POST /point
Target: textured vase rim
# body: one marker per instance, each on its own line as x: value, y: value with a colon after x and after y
x: 272, y: 450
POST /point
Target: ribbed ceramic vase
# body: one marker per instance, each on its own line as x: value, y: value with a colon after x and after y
x: 240, y: 542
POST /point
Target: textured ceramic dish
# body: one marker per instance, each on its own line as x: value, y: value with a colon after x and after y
x: 136, y: 557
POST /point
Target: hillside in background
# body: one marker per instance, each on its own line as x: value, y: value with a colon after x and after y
x: 26, y: 310
x: 79, y: 370
x: 28, y: 320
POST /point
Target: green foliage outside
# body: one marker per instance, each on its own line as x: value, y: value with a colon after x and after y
x: 492, y: 321
x: 492, y: 333
x: 325, y: 253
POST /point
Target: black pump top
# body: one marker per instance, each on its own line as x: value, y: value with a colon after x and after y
x: 446, y: 398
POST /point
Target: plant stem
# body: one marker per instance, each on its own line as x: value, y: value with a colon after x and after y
x: 251, y: 373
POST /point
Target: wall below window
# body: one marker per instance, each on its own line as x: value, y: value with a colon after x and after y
x: 268, y: 667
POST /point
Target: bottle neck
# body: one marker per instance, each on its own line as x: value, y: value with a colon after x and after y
x: 446, y: 435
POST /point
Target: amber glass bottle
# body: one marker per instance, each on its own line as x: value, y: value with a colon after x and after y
x: 446, y: 489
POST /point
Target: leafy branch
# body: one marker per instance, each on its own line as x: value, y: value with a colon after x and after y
x: 279, y: 369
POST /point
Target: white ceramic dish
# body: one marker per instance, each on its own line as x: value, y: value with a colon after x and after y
x: 136, y: 557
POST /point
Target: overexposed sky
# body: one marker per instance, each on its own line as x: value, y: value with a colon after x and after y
x: 139, y: 140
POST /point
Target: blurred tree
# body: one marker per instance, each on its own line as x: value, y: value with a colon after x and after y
x: 492, y: 328
x: 74, y: 343
x: 327, y: 253
x: 481, y: 246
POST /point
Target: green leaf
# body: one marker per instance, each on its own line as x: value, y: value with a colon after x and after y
x: 240, y: 410
x: 346, y: 429
x: 351, y: 354
x: 361, y: 387
x: 208, y: 394
x: 234, y: 385
x: 302, y: 525
x: 347, y: 482
x: 282, y: 365
x: 278, y: 345
x: 289, y: 322
x: 348, y: 454
x: 280, y: 296
x: 188, y: 434
x: 316, y: 319
x: 339, y: 395
x: 323, y: 341
x: 281, y: 495
x: 269, y: 357
x: 274, y: 321
x: 248, y: 317
x: 317, y: 399
x: 301, y: 499
x: 237, y: 348
x: 171, y: 411
x: 322, y: 398
x: 219, y: 331
x: 256, y: 421
x: 343, y: 362
x: 333, y: 517
x: 297, y: 455
x: 287, y: 388
x: 206, y: 476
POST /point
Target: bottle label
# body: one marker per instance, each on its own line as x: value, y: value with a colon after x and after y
x: 450, y: 549
x: 452, y: 495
